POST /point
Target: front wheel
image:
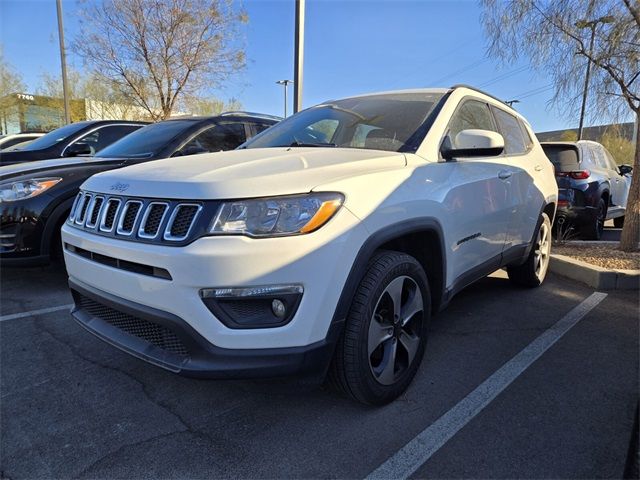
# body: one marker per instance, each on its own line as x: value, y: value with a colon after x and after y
x: 385, y: 334
x: 533, y: 271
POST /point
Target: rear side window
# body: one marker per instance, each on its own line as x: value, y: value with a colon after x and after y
x: 260, y: 127
x: 599, y: 157
x: 471, y: 115
x: 224, y: 136
x: 564, y: 157
x: 509, y: 126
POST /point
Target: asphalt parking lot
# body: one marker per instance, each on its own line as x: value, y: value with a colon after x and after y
x: 72, y: 406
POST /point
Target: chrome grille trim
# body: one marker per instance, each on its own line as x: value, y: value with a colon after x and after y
x: 123, y: 214
x: 82, y: 209
x: 72, y: 214
x: 143, y: 223
x: 90, y: 210
x: 167, y: 231
x: 171, y: 222
x: 105, y: 210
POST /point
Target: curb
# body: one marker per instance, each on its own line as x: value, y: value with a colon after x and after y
x: 594, y: 276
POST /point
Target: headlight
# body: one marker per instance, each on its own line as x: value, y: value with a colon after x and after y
x: 274, y: 216
x: 11, y: 192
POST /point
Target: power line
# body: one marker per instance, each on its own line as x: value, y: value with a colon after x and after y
x: 504, y: 76
x: 466, y: 68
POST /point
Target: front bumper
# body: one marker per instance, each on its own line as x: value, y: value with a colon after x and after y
x: 169, y: 342
x: 320, y: 262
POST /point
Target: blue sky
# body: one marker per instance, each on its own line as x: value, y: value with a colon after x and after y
x: 351, y: 47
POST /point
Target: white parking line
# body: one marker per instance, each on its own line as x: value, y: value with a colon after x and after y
x: 415, y: 453
x: 33, y: 313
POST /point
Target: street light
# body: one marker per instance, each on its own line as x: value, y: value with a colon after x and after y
x: 511, y: 102
x: 285, y: 83
x: 592, y: 24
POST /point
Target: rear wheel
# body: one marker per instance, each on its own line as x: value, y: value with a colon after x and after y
x: 593, y: 230
x: 385, y: 334
x: 532, y: 272
x: 618, y: 222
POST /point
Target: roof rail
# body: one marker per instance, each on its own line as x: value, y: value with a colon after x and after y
x: 240, y: 113
x: 463, y: 85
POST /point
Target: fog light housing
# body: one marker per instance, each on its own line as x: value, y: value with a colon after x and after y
x: 266, y: 306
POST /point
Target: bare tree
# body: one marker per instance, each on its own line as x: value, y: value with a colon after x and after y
x: 156, y: 51
x: 562, y: 37
x: 10, y: 80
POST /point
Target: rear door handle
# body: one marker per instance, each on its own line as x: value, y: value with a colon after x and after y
x: 504, y: 174
x: 538, y: 168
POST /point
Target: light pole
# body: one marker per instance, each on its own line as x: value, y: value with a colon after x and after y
x: 285, y: 83
x: 298, y: 56
x: 592, y: 24
x: 63, y: 64
x: 512, y: 102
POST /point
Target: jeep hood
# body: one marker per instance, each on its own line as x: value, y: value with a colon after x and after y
x: 242, y: 173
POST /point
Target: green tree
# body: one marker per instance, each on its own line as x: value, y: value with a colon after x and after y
x: 560, y: 38
x: 620, y: 147
x: 158, y: 51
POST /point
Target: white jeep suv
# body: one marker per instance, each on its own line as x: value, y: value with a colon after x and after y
x: 320, y: 247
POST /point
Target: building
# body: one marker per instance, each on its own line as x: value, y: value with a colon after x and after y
x: 623, y: 130
x: 24, y: 112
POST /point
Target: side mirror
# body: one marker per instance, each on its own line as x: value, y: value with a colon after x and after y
x: 625, y: 169
x: 76, y: 149
x: 192, y: 150
x: 473, y: 143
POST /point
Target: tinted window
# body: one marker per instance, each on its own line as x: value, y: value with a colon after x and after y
x: 598, y: 157
x: 55, y: 136
x: 261, y: 127
x: 514, y: 142
x: 147, y: 141
x: 610, y: 161
x: 224, y: 136
x: 563, y: 157
x: 396, y: 123
x: 105, y: 136
x: 14, y: 141
x: 471, y: 115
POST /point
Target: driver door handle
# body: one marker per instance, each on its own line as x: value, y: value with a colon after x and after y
x: 504, y: 174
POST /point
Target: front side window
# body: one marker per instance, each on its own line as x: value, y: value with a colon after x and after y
x: 105, y: 136
x: 472, y: 115
x: 392, y: 122
x: 514, y: 141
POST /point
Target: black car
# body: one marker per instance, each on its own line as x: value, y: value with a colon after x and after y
x: 35, y: 198
x: 591, y: 187
x: 80, y: 138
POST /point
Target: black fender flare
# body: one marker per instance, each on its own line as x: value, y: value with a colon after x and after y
x: 52, y: 222
x: 373, y: 243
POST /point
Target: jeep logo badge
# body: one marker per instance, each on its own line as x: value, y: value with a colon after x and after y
x: 119, y: 187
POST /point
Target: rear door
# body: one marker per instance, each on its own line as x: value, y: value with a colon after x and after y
x: 619, y: 186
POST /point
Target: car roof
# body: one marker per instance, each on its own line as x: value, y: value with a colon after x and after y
x: 226, y: 116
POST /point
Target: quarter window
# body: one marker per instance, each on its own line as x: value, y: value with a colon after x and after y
x: 514, y: 141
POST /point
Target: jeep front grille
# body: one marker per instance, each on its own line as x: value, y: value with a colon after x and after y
x: 169, y: 222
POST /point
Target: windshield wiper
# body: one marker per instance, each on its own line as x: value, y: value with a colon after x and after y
x: 303, y: 144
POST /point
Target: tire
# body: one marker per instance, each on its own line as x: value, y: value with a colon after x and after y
x: 618, y: 222
x: 381, y: 348
x: 534, y: 270
x: 593, y: 230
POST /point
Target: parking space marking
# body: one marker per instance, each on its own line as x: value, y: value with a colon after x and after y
x: 32, y: 313
x: 415, y: 453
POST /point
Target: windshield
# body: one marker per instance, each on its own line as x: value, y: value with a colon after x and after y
x: 147, y: 141
x: 55, y: 136
x: 392, y: 122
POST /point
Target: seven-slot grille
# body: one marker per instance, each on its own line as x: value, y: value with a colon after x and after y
x: 146, y: 220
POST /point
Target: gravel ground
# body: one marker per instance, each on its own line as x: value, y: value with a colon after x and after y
x: 602, y: 256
